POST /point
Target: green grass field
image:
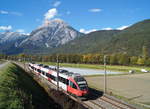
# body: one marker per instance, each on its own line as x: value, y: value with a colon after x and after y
x: 137, y: 69
x: 19, y: 91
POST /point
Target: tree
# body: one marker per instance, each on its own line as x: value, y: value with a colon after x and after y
x: 145, y: 52
x: 22, y: 56
x: 113, y: 59
x: 147, y: 62
x: 141, y: 61
x: 133, y: 60
x: 124, y: 59
x: 87, y: 58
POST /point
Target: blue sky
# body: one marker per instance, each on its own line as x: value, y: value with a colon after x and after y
x: 84, y: 15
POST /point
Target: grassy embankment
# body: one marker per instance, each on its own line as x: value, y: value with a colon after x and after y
x: 1, y: 61
x: 19, y: 91
x: 119, y: 68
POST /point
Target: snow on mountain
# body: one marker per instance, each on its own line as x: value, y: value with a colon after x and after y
x: 9, y: 42
x: 11, y: 37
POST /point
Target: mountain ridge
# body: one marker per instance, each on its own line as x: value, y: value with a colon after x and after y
x: 50, y: 35
x: 130, y: 40
x: 57, y: 37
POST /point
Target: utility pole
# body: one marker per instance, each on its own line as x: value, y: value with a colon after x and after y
x: 57, y: 72
x: 105, y: 75
x: 24, y: 62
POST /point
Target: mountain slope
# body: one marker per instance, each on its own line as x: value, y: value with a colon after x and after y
x: 130, y: 40
x: 92, y: 42
x: 10, y: 41
x: 50, y: 35
x: 58, y: 37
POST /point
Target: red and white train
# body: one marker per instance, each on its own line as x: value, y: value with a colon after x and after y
x: 71, y: 82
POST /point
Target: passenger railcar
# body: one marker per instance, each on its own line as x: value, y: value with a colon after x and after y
x: 71, y: 82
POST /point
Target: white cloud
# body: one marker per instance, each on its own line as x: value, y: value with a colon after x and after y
x: 3, y: 12
x: 11, y: 13
x: 108, y: 28
x: 51, y: 14
x: 20, y: 30
x: 5, y: 28
x: 95, y: 10
x: 123, y: 27
x: 87, y: 31
x: 16, y: 13
x: 56, y: 3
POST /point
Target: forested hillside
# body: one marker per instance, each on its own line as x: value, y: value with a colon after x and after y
x: 90, y: 43
x: 130, y: 41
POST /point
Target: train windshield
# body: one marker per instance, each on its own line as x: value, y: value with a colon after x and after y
x: 79, y: 79
x: 83, y: 86
x: 81, y: 83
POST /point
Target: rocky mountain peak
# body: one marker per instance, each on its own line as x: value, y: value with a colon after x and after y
x: 54, y: 22
x: 51, y: 34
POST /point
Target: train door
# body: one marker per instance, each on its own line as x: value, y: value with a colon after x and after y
x: 72, y: 88
x: 62, y: 83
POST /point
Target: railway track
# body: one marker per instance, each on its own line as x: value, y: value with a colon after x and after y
x: 105, y: 102
x: 117, y: 103
x: 100, y: 102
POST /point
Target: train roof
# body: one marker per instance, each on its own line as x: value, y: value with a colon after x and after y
x: 65, y: 72
x: 61, y: 71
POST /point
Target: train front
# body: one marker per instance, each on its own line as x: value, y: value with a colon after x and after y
x: 82, y: 85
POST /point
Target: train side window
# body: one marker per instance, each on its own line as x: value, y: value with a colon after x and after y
x: 48, y: 75
x: 67, y: 81
x: 43, y: 72
x: 39, y: 70
x: 73, y: 85
x: 61, y: 79
x: 53, y: 78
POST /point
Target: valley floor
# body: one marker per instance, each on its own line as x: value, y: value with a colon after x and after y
x: 133, y: 88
